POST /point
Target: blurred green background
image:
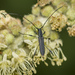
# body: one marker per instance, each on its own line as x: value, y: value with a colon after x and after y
x: 68, y: 68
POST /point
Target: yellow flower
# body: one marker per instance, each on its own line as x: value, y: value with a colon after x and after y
x: 71, y: 30
x: 58, y: 21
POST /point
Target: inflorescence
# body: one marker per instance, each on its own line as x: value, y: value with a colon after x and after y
x: 17, y: 50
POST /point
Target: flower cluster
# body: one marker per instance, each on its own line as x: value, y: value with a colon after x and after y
x: 71, y: 30
x: 58, y: 22
x: 19, y: 51
x: 53, y: 51
x: 13, y: 57
x: 68, y: 10
x: 43, y: 2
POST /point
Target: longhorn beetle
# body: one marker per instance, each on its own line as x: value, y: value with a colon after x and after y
x: 40, y: 34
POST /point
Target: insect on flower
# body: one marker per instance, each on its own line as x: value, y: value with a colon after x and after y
x: 40, y: 34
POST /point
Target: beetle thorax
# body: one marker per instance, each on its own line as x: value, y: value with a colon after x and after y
x: 40, y: 32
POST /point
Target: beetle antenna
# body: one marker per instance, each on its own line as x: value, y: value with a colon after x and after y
x: 24, y: 17
x: 51, y: 15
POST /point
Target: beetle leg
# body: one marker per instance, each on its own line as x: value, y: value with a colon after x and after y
x: 35, y: 32
x: 35, y: 51
x: 43, y: 32
x: 49, y: 49
x: 28, y: 34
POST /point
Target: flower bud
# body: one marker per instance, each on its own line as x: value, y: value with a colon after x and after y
x: 54, y: 35
x: 9, y: 38
x: 8, y: 52
x: 35, y: 10
x: 71, y: 14
x: 47, y: 10
x: 30, y: 17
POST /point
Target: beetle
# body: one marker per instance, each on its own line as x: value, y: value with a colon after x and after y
x: 40, y: 34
